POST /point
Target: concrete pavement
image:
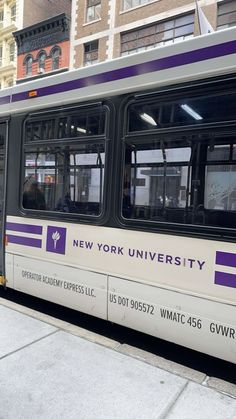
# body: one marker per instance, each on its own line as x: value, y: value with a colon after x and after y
x: 52, y: 369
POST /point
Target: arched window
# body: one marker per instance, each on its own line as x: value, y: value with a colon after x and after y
x: 28, y: 62
x: 41, y: 61
x: 55, y: 54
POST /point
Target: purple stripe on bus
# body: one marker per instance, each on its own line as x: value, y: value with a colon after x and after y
x: 24, y: 228
x: 225, y: 279
x: 226, y: 259
x: 177, y: 60
x: 4, y: 100
x: 24, y: 241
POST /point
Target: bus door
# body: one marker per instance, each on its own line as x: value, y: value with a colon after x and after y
x: 3, y: 141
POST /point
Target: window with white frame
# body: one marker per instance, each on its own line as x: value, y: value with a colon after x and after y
x: 28, y: 65
x: 9, y: 82
x: 161, y: 33
x: 1, y: 55
x: 93, y: 11
x: 55, y: 54
x: 1, y: 17
x: 226, y: 14
x: 41, y: 61
x: 91, y: 53
x: 129, y: 4
x: 13, y: 13
x: 12, y: 52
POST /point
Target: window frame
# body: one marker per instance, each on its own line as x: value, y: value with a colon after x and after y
x: 13, y: 15
x: 55, y: 55
x: 28, y: 64
x: 1, y: 55
x: 41, y: 64
x: 96, y: 139
x: 197, y: 230
x: 134, y: 6
x: 94, y: 6
x: 90, y: 52
x: 156, y: 32
x: 221, y: 5
x: 1, y: 16
x: 12, y: 51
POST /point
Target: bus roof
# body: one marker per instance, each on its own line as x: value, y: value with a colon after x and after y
x: 197, y: 58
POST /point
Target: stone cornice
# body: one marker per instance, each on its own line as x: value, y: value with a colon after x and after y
x: 43, y: 34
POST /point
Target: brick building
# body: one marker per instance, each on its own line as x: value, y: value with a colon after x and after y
x: 43, y: 48
x: 16, y: 15
x: 106, y: 29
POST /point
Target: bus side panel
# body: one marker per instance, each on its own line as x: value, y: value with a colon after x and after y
x: 9, y: 268
x: 196, y: 323
x: 180, y: 263
x: 75, y: 288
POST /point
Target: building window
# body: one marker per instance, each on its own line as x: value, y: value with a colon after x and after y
x: 226, y: 14
x: 91, y: 53
x: 162, y: 33
x: 13, y: 13
x: 0, y: 55
x: 41, y: 62
x: 1, y: 17
x: 12, y: 52
x: 10, y: 83
x: 129, y: 4
x: 55, y: 54
x: 28, y: 65
x: 93, y: 11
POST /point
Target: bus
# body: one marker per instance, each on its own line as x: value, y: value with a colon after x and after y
x: 118, y: 191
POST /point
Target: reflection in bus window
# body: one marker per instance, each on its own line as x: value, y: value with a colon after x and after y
x: 70, y: 177
x: 187, y: 178
x: 33, y: 197
x: 185, y: 111
x: 220, y: 188
x: 64, y: 154
x: 159, y: 178
x: 85, y: 123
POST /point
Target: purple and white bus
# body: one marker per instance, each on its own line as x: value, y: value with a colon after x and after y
x: 118, y: 191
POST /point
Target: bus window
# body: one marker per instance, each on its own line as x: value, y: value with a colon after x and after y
x: 186, y: 182
x: 181, y: 176
x: 71, y: 178
x: 67, y: 173
x: 155, y: 115
x: 220, y: 178
x: 159, y: 178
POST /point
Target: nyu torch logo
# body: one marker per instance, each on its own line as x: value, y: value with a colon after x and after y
x: 55, y: 236
x: 56, y: 240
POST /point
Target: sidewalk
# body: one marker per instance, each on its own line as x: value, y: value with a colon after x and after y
x: 51, y: 369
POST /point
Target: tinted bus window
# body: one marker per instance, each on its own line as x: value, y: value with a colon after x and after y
x: 186, y: 178
x: 67, y: 174
x: 185, y: 111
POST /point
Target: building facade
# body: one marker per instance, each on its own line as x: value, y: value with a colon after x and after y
x: 9, y: 21
x: 43, y: 48
x: 15, y: 15
x: 106, y: 29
